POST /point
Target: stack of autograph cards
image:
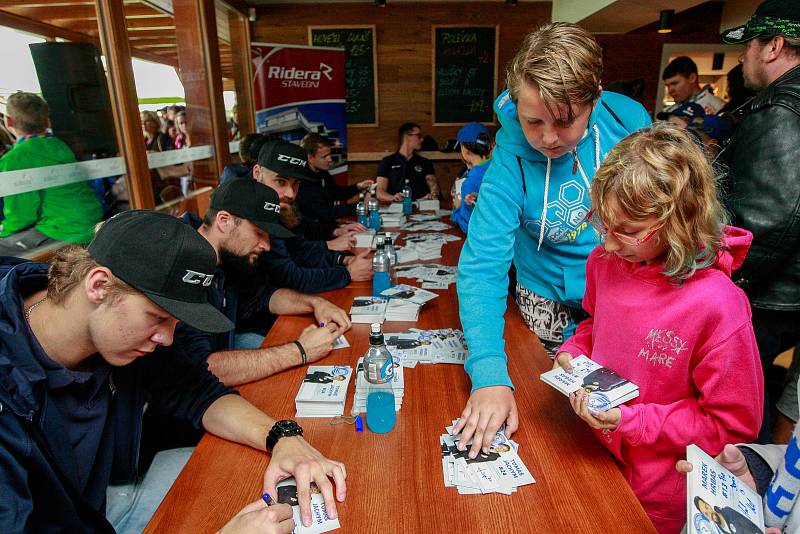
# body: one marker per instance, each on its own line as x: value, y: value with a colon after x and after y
x: 501, y: 470
x: 402, y: 310
x: 717, y: 501
x: 405, y: 302
x: 364, y: 239
x: 392, y: 220
x: 362, y: 387
x: 426, y: 246
x: 432, y: 226
x: 430, y: 275
x: 427, y: 204
x: 606, y: 388
x: 368, y: 310
x: 323, y: 391
x: 320, y: 522
x: 415, y: 346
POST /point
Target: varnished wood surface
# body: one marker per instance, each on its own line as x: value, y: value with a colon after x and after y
x: 394, y: 481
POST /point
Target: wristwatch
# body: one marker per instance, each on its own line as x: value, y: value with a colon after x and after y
x: 282, y: 429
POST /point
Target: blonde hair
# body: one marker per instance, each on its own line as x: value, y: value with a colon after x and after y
x: 148, y: 115
x: 30, y: 112
x: 661, y: 171
x: 563, y: 62
x: 69, y: 268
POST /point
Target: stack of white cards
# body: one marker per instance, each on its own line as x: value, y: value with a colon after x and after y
x: 428, y: 246
x: 362, y: 387
x: 501, y: 470
x: 419, y: 217
x: 323, y: 391
x: 320, y: 522
x: 402, y: 310
x: 427, y: 204
x: 393, y: 220
x: 407, y: 254
x: 405, y: 302
x: 433, y: 226
x: 430, y: 275
x: 394, y: 207
x: 712, y: 490
x: 415, y: 346
x: 606, y: 388
x: 368, y: 310
x: 364, y: 239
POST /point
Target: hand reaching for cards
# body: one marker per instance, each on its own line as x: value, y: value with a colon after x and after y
x: 318, y: 342
x: 486, y: 409
x: 257, y: 517
x: 341, y: 243
x: 327, y: 312
x: 600, y: 420
x: 294, y: 457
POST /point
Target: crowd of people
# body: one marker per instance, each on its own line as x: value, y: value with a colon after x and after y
x: 667, y: 252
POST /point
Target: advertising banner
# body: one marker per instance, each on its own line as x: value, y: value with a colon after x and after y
x: 301, y: 90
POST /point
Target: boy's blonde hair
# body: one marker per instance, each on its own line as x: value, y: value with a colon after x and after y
x: 68, y: 269
x: 30, y: 112
x: 563, y: 62
x: 661, y: 171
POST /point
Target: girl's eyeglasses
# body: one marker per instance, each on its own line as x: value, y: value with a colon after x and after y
x: 631, y: 241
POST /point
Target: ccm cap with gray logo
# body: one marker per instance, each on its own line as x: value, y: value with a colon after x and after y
x: 164, y: 258
x: 251, y: 201
x: 286, y: 159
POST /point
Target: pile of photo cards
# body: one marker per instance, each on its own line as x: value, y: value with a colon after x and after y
x: 430, y: 275
x: 405, y: 302
x: 323, y: 391
x: 425, y: 204
x: 501, y: 470
x: 415, y: 346
x: 717, y: 501
x: 362, y: 387
x: 368, y: 309
x: 392, y: 219
x: 320, y: 522
x: 433, y: 226
x: 364, y: 239
x: 425, y: 246
x: 606, y: 388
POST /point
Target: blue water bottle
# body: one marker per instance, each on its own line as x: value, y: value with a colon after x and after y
x: 381, y: 278
x: 361, y: 211
x: 407, y: 200
x: 374, y: 214
x: 379, y: 374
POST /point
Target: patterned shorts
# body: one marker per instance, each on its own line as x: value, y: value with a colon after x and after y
x: 552, y: 322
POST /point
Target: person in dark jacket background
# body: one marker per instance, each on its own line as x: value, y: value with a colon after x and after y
x: 76, y: 370
x: 763, y: 182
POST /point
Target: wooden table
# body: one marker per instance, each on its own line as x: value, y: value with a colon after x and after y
x: 394, y: 481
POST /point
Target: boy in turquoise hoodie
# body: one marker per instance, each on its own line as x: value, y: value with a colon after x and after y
x: 557, y: 126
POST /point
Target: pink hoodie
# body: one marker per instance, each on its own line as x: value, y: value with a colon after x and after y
x: 692, y: 352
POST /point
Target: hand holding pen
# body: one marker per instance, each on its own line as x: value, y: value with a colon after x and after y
x: 263, y: 516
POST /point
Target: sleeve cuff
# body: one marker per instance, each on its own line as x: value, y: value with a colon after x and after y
x: 759, y: 468
x: 489, y: 371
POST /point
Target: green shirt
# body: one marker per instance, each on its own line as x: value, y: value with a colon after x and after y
x: 65, y: 212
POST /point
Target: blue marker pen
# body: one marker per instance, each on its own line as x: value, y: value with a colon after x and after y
x: 267, y: 499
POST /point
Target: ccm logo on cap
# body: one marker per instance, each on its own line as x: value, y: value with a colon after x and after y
x: 292, y: 160
x: 269, y: 206
x: 193, y: 277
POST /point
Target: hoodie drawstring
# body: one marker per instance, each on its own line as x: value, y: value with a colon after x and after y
x: 583, y: 175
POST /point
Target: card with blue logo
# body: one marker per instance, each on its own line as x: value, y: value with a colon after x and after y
x: 606, y: 388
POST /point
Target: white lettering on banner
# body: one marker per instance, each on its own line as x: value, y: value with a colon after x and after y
x: 292, y: 160
x: 269, y: 206
x: 293, y: 73
x: 195, y: 278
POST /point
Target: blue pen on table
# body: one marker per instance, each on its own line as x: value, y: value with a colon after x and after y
x: 268, y: 499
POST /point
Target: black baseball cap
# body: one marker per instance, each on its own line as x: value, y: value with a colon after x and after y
x: 164, y: 258
x: 286, y: 159
x: 252, y: 201
x: 773, y: 17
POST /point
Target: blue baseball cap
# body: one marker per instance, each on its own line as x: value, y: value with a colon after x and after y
x: 716, y: 128
x: 689, y: 110
x: 469, y: 134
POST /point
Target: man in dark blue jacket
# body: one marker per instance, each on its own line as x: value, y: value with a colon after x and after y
x: 296, y: 263
x: 240, y: 224
x: 76, y: 371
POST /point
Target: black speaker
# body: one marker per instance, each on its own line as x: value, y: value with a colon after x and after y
x: 717, y: 61
x: 73, y: 83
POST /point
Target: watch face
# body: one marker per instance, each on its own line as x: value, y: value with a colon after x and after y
x: 288, y: 426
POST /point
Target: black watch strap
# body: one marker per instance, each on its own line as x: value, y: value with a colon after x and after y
x: 282, y: 429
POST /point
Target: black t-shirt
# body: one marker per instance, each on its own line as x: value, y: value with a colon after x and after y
x: 397, y: 169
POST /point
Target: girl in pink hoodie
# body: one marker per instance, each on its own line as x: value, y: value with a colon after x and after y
x: 666, y: 316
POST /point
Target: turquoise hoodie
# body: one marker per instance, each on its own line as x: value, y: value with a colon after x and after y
x: 507, y: 225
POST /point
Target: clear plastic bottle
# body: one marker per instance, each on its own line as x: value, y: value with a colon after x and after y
x: 361, y: 211
x: 407, y: 200
x: 379, y: 373
x: 388, y: 246
x: 381, y: 276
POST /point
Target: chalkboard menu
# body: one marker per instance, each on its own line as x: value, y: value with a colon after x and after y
x: 464, y: 73
x: 361, y: 73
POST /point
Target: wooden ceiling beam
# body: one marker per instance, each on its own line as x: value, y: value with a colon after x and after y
x: 66, y: 12
x: 148, y: 24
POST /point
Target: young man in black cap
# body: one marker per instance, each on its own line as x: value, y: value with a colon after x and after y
x: 243, y: 218
x: 763, y: 183
x: 76, y: 371
x: 297, y: 263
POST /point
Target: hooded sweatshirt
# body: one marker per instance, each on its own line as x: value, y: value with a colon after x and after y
x: 691, y: 350
x: 538, y: 223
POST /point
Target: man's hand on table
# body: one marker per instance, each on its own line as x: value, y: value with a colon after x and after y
x: 294, y: 457
x: 342, y: 243
x: 349, y: 228
x: 257, y: 517
x: 486, y: 409
x: 318, y: 342
x: 359, y: 266
x: 327, y: 312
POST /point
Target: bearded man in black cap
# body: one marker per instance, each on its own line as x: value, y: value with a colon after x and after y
x: 763, y: 185
x: 76, y: 369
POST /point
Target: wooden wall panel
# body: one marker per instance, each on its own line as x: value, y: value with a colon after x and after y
x: 404, y: 54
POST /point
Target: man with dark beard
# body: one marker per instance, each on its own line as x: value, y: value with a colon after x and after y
x: 243, y: 217
x: 297, y: 263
